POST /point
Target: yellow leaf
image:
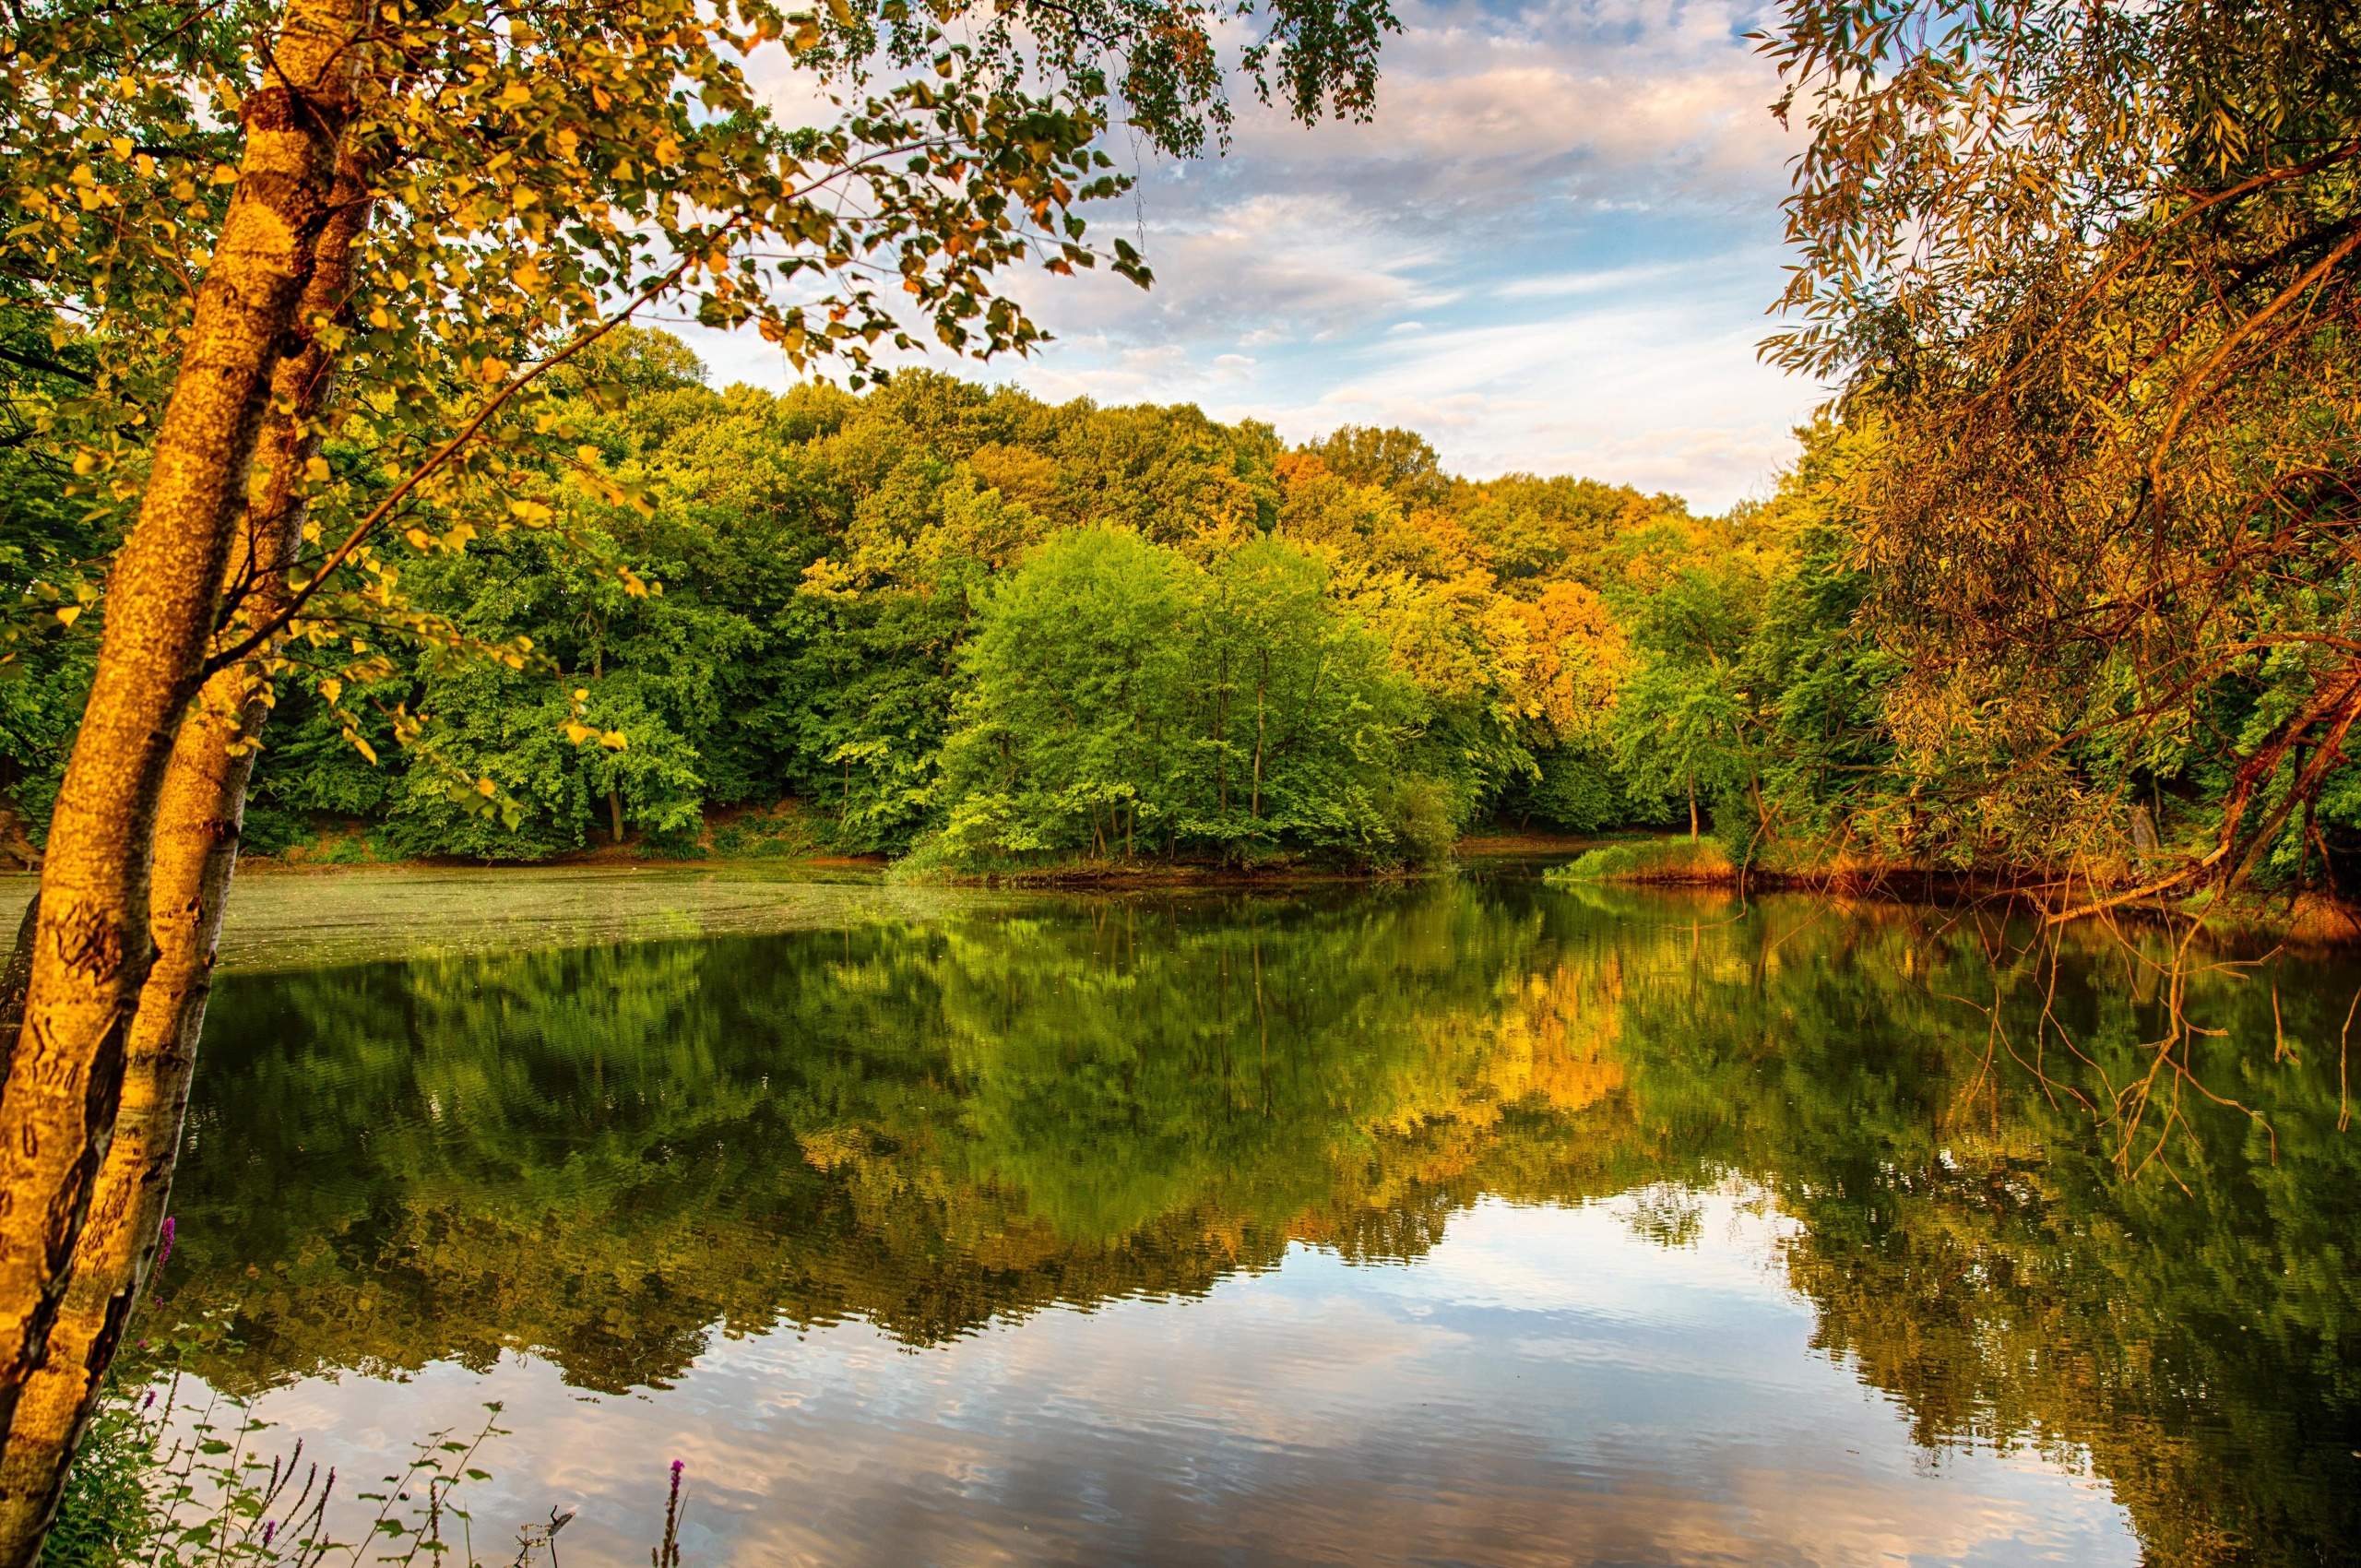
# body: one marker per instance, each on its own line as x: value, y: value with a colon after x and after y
x: 67, y: 614
x: 842, y: 11
x: 530, y: 511
x: 486, y: 788
x: 612, y: 740
x: 587, y: 454
x: 365, y: 748
x: 122, y: 146
x: 316, y: 470
x: 581, y: 693
x: 331, y: 689
x: 224, y: 175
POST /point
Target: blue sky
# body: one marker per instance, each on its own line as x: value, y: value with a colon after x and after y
x: 1551, y: 251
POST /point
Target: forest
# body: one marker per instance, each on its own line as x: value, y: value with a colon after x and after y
x: 959, y: 620
x: 959, y: 626
x: 2056, y: 591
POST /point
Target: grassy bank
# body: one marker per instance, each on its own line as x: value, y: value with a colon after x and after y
x: 1677, y: 862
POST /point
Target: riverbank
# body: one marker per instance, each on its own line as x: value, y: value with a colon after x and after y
x: 2309, y: 919
x: 1272, y: 871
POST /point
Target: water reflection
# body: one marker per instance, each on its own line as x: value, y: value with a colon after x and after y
x: 656, y: 1167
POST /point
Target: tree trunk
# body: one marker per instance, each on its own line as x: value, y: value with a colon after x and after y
x: 1259, y: 685
x: 615, y: 812
x: 91, y: 951
x: 1693, y: 808
x: 1221, y: 736
x: 198, y: 821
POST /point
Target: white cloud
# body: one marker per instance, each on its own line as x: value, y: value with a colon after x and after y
x: 1551, y: 250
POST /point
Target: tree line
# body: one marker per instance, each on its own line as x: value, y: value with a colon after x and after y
x: 958, y: 622
x: 958, y: 619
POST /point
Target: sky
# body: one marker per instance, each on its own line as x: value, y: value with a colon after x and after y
x: 1552, y: 250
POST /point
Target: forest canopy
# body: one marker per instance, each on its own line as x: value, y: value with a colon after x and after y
x: 940, y: 613
x: 958, y: 621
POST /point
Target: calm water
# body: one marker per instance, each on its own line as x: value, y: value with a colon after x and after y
x: 1469, y: 1222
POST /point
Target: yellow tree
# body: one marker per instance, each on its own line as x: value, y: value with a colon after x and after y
x: 2090, y: 274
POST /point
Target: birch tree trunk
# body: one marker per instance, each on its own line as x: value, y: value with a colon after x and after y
x: 198, y: 820
x: 91, y: 947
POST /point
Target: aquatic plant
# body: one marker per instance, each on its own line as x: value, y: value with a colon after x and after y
x: 154, y: 1492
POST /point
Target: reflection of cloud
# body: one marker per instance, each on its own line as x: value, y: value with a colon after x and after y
x: 1575, y: 202
x: 1545, y: 1387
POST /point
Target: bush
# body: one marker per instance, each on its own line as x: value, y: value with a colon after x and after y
x: 1420, y: 813
x: 1603, y: 864
x: 268, y: 830
x: 1656, y: 860
x: 1575, y: 791
x: 105, y: 1518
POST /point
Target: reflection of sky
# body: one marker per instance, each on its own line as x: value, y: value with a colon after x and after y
x: 1546, y: 1387
x: 1551, y: 251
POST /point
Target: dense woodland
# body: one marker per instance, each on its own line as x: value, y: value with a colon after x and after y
x: 2058, y: 586
x: 942, y: 615
x: 955, y: 623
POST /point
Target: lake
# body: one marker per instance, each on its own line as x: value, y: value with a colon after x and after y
x: 1467, y: 1222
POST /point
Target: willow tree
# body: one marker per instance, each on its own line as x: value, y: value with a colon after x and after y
x: 2086, y: 275
x: 319, y: 257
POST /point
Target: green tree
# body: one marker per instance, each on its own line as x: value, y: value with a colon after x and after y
x: 1070, y: 734
x: 1294, y: 708
x: 1683, y: 721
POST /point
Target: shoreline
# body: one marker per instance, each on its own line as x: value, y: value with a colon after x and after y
x: 2307, y: 919
x: 1669, y: 863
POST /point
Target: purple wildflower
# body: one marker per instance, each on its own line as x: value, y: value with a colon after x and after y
x: 268, y: 1530
x: 150, y: 1403
x: 677, y: 1466
x: 164, y: 1247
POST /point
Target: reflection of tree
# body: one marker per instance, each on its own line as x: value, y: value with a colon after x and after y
x: 603, y: 1155
x: 1969, y: 1238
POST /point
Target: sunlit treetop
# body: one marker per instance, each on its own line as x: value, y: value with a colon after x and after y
x: 537, y: 162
